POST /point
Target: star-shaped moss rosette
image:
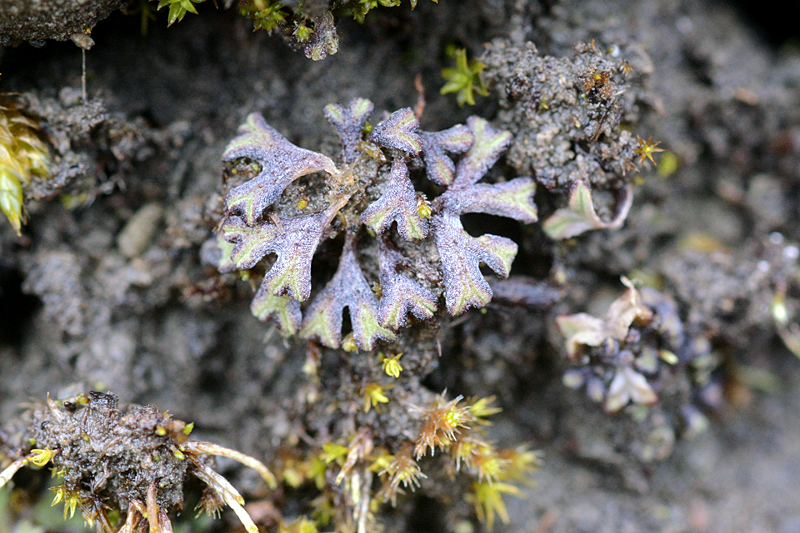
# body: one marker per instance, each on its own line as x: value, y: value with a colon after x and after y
x: 370, y: 194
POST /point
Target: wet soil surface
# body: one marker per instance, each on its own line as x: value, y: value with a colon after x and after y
x: 112, y: 286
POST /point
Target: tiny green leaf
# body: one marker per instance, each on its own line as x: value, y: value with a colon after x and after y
x: 401, y: 295
x: 285, y: 310
x: 349, y: 123
x: 399, y: 131
x: 266, y: 14
x: 513, y: 199
x: 294, y: 242
x: 11, y: 198
x: 397, y: 204
x: 281, y: 163
x: 580, y: 216
x: 178, y: 9
x: 489, y: 143
x: 349, y: 289
x: 461, y: 256
x: 439, y: 166
x: 464, y: 79
x: 251, y: 243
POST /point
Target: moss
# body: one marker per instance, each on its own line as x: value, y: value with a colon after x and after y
x: 133, y: 461
x: 465, y: 79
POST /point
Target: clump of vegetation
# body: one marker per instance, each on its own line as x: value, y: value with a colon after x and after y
x: 572, y: 121
x: 640, y: 348
x: 266, y: 15
x: 355, y: 476
x: 23, y: 155
x: 370, y: 200
x: 386, y: 435
x: 133, y: 461
x: 309, y: 26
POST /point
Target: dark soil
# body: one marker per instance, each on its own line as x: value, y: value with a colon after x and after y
x: 113, y: 285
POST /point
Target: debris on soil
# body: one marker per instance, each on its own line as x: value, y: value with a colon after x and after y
x: 132, y: 461
x: 38, y: 20
x: 113, y: 282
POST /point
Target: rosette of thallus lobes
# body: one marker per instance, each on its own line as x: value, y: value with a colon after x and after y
x: 364, y: 196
